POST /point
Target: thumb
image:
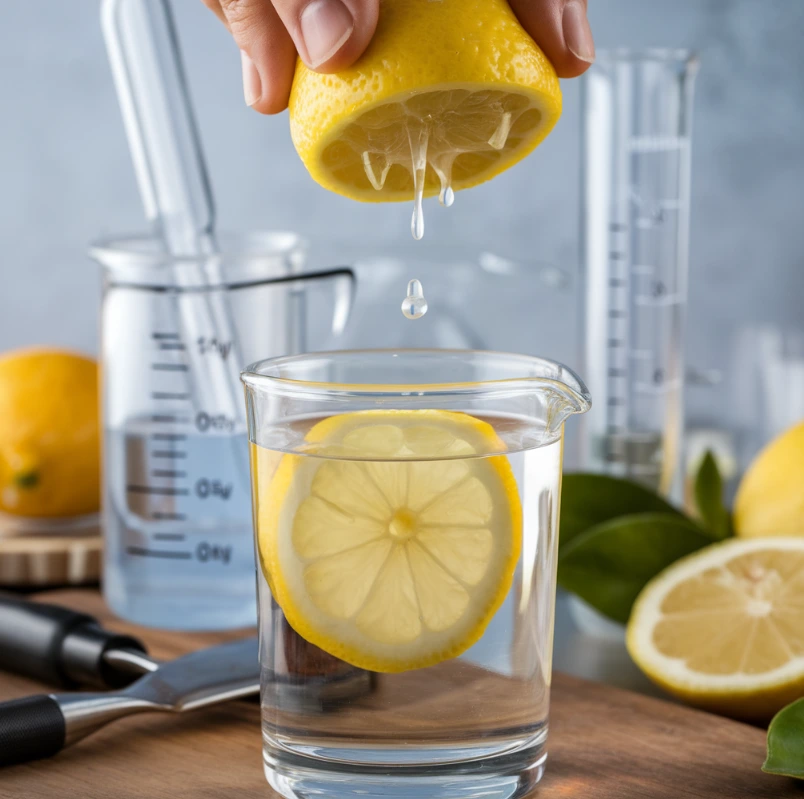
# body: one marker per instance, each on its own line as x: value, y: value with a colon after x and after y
x: 329, y: 35
x: 561, y: 29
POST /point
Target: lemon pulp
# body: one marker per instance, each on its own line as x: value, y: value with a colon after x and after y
x: 722, y: 628
x: 399, y: 559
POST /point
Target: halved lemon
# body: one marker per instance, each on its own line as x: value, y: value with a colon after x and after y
x: 723, y: 628
x: 454, y: 88
x: 396, y: 559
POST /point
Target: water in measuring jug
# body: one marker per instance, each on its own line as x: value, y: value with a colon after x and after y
x: 179, y: 546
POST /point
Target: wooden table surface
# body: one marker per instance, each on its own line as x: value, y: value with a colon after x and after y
x: 605, y: 743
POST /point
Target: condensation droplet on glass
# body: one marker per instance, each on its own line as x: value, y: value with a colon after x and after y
x: 414, y: 306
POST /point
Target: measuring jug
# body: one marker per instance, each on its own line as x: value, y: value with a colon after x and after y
x: 636, y: 134
x: 176, y: 494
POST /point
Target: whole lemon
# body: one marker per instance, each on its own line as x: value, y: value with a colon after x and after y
x: 770, y: 499
x: 49, y: 433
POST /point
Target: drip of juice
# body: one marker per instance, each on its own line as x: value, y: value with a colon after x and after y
x: 414, y: 306
x: 418, y: 137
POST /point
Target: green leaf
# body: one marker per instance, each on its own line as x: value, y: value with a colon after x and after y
x: 709, y: 498
x: 591, y: 499
x: 786, y: 742
x: 609, y: 564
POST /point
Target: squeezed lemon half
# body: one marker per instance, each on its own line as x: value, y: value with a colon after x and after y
x: 448, y: 94
x: 722, y: 628
x: 399, y: 559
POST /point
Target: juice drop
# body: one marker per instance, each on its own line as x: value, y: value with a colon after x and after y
x: 414, y: 306
x: 418, y: 136
x: 444, y: 171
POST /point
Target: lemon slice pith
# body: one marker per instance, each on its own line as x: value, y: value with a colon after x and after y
x: 722, y: 628
x: 392, y: 564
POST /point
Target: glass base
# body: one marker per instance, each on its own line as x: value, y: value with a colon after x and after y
x: 506, y: 776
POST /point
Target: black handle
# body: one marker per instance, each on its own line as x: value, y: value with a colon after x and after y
x: 57, y: 645
x: 30, y: 729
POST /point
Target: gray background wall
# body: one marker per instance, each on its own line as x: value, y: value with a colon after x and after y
x: 66, y: 176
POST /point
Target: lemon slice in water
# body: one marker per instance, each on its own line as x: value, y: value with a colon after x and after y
x: 448, y: 95
x: 398, y: 560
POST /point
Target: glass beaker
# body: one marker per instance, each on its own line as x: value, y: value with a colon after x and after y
x: 406, y: 510
x: 636, y: 129
x: 176, y: 497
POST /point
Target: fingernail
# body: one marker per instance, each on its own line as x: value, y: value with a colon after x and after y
x: 252, y: 85
x: 577, y: 33
x: 325, y: 27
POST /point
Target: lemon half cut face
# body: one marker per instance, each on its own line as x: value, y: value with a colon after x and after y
x: 400, y: 559
x: 455, y: 88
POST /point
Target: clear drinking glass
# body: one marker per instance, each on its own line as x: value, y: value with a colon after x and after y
x: 406, y: 516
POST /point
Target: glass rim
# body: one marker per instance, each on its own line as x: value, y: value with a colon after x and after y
x: 255, y: 376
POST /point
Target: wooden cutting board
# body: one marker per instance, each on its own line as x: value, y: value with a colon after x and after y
x: 605, y: 743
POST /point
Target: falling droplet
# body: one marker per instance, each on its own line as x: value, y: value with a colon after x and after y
x: 500, y: 136
x: 443, y: 169
x: 372, y: 162
x: 418, y: 153
x: 414, y: 306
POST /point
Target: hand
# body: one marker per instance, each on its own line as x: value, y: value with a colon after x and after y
x: 330, y: 35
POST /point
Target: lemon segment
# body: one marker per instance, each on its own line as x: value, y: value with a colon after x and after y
x: 458, y: 82
x: 390, y: 564
x: 722, y: 628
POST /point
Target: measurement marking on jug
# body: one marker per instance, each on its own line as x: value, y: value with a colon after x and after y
x: 165, y: 336
x: 158, y: 553
x: 169, y: 395
x: 167, y: 418
x: 172, y: 345
x: 213, y: 488
x: 169, y: 453
x: 168, y: 536
x: 169, y: 436
x: 214, y: 346
x: 213, y: 421
x: 168, y: 473
x: 159, y: 491
x: 161, y: 516
x: 170, y: 367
